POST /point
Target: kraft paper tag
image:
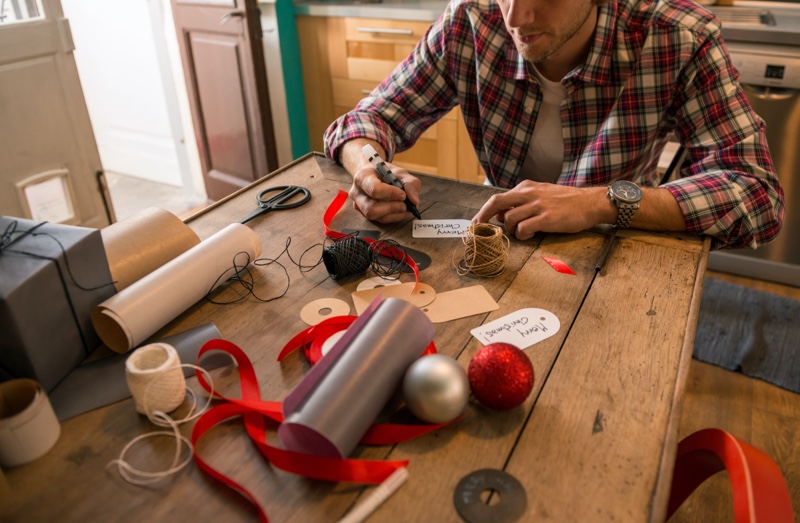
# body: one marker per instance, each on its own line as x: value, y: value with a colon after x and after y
x: 522, y: 328
x: 419, y: 294
x: 440, y: 228
x: 460, y: 303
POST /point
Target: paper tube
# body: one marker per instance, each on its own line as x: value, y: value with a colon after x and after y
x: 128, y: 318
x: 340, y: 397
x: 28, y: 425
x: 140, y: 244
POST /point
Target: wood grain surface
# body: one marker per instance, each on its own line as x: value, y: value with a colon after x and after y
x: 594, y: 441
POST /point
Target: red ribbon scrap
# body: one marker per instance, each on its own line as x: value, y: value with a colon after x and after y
x: 386, y: 250
x: 257, y: 413
x: 558, y: 265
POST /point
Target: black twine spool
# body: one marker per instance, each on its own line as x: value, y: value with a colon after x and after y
x: 349, y: 255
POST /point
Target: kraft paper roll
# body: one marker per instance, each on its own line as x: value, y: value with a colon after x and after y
x: 340, y: 397
x: 140, y: 244
x: 28, y: 425
x: 128, y: 318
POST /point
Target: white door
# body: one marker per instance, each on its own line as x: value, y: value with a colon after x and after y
x: 50, y: 169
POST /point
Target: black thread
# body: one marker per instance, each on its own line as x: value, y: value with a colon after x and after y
x: 342, y: 257
x: 244, y: 277
x: 346, y: 256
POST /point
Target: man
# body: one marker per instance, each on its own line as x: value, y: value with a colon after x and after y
x: 561, y: 100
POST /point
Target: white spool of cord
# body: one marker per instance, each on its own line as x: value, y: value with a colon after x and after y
x: 155, y: 378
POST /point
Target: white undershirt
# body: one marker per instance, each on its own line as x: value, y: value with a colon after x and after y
x: 546, y: 150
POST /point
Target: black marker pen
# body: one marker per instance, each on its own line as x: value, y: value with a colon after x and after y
x: 387, y: 176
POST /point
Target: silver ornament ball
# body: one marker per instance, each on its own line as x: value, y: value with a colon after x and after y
x: 436, y: 388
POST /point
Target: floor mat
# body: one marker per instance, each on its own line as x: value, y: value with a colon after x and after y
x: 753, y: 332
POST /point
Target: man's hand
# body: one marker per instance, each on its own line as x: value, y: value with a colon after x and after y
x: 376, y: 200
x: 531, y: 207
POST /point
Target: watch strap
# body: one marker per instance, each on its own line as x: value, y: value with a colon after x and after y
x: 625, y: 214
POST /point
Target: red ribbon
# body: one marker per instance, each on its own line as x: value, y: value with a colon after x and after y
x: 335, y: 206
x: 558, y: 265
x: 256, y: 413
x: 312, y: 338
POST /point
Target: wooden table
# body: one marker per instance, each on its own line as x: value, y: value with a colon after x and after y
x: 595, y: 441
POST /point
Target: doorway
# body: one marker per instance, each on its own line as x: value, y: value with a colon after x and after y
x: 128, y: 61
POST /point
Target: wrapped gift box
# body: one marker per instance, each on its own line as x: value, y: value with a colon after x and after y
x: 51, y: 277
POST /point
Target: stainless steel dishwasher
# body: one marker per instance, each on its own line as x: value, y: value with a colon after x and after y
x: 763, y: 38
x: 770, y: 76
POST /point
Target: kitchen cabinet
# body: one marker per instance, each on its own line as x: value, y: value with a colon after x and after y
x: 344, y: 58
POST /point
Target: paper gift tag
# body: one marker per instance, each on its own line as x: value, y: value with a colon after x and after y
x: 522, y: 328
x: 460, y: 303
x: 420, y: 294
x: 440, y: 228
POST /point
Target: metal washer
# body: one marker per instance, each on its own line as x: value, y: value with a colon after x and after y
x: 472, y: 509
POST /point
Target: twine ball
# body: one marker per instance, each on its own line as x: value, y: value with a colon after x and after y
x: 501, y: 376
x: 485, y: 251
x: 346, y: 256
x: 435, y: 388
x: 155, y: 378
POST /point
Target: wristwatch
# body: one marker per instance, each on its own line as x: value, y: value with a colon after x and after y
x: 626, y: 196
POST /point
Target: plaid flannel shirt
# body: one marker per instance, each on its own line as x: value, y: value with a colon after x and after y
x: 655, y: 68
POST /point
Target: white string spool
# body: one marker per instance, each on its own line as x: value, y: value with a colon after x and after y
x: 152, y: 376
x: 155, y: 378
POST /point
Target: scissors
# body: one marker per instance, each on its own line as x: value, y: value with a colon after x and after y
x: 278, y: 202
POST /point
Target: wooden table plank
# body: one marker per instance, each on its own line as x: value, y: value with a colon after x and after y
x: 609, y: 397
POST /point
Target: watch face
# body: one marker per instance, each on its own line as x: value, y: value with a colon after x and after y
x: 627, y: 192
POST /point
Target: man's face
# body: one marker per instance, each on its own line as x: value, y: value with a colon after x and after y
x: 542, y: 28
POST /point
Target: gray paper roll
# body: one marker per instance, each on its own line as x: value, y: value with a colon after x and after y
x: 102, y: 382
x: 329, y: 411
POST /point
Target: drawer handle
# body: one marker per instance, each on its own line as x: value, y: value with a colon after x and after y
x: 366, y: 91
x: 385, y: 31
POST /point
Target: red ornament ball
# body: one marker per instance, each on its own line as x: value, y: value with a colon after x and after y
x: 501, y: 376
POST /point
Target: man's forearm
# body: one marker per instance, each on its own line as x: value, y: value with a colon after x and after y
x: 658, y: 211
x: 351, y: 157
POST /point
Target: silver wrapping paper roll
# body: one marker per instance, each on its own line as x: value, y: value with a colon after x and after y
x: 331, y: 409
x: 129, y: 317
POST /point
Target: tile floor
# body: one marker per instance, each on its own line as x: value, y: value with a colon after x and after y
x: 130, y: 195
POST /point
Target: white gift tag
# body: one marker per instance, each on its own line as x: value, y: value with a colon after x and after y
x: 522, y: 328
x: 440, y: 228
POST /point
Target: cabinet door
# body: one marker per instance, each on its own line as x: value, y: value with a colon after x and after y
x: 345, y: 58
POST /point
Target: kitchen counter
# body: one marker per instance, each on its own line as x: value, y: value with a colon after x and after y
x: 760, y: 22
x: 416, y: 10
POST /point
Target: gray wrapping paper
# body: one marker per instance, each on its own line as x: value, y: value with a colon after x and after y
x: 331, y: 409
x: 102, y: 382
